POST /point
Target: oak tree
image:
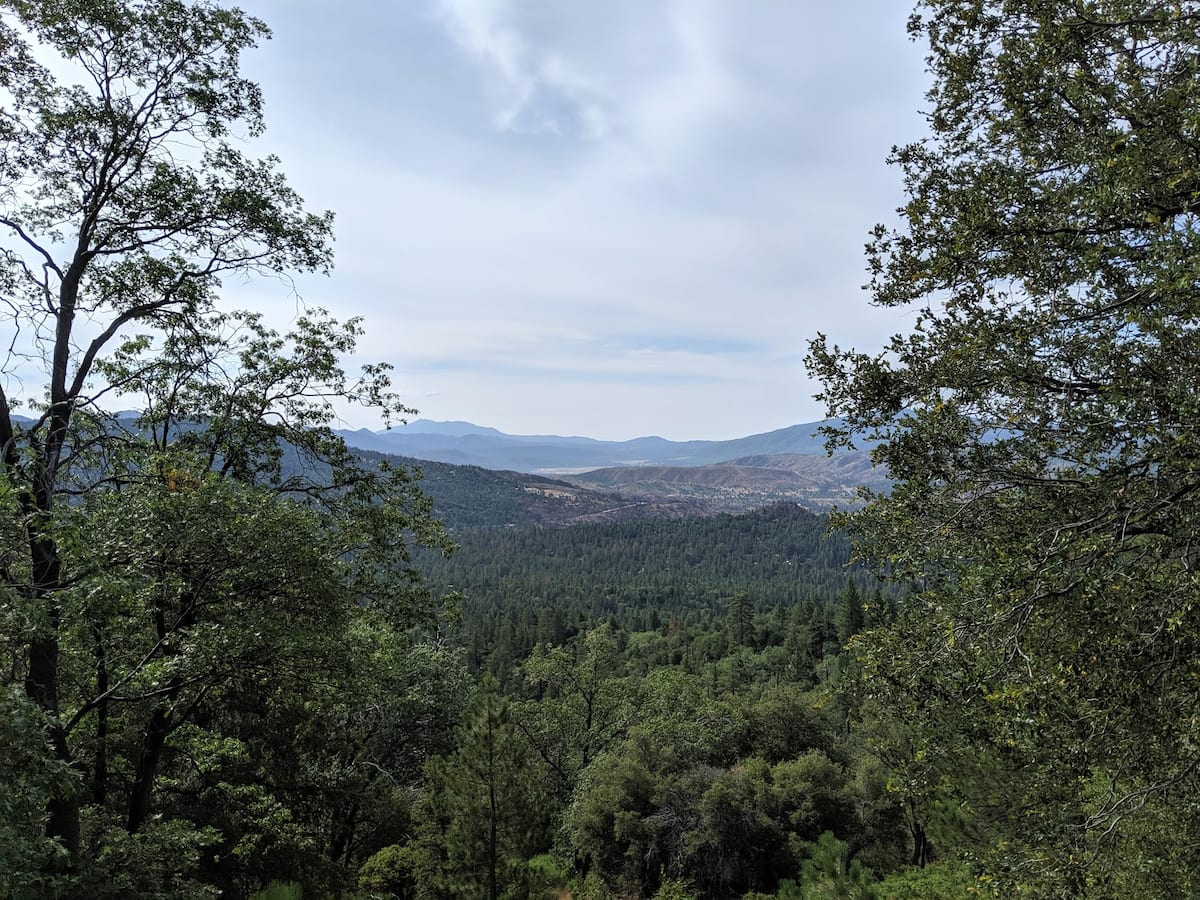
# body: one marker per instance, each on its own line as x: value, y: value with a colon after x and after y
x: 147, y: 564
x: 1039, y: 423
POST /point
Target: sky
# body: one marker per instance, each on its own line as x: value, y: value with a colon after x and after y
x: 611, y: 218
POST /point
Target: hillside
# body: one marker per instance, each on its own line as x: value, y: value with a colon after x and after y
x: 462, y: 443
x: 475, y: 497
x: 779, y: 554
x: 813, y: 481
x: 479, y: 476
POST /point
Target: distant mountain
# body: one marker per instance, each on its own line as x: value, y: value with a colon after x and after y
x: 474, y: 497
x: 453, y: 429
x: 492, y: 478
x: 481, y: 477
x: 813, y: 481
x: 462, y: 443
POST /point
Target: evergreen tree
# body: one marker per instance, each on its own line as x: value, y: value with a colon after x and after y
x: 488, y: 798
x: 850, y: 612
x: 1039, y: 423
x: 740, y: 615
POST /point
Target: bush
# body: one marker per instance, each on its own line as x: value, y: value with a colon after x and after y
x: 391, y: 873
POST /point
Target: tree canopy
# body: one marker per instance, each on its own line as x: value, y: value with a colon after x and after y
x: 223, y: 667
x: 156, y: 571
x: 1039, y: 421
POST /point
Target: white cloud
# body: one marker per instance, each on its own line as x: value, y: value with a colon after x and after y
x: 524, y: 188
x: 631, y: 71
x: 480, y: 28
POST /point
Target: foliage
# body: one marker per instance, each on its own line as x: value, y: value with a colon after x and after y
x: 225, y: 669
x: 180, y: 592
x: 522, y: 588
x: 547, y: 876
x: 583, y: 707
x: 391, y: 872
x: 943, y: 880
x: 776, y: 554
x: 1039, y: 424
x: 323, y: 771
x: 29, y: 775
x: 486, y: 811
x: 160, y: 860
x: 279, y: 890
x: 644, y: 815
x: 675, y: 889
x: 93, y: 151
x: 832, y: 873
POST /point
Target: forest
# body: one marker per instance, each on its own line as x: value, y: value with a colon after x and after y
x: 242, y: 660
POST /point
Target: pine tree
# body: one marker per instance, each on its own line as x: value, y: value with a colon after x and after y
x: 850, y: 613
x: 740, y: 616
x: 489, y: 799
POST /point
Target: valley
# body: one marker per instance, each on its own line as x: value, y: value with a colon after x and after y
x: 741, y: 475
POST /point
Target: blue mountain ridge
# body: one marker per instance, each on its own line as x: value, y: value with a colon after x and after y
x: 463, y: 443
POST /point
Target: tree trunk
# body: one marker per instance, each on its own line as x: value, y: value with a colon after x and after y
x: 922, y: 853
x: 147, y: 768
x: 100, y: 765
x: 41, y: 682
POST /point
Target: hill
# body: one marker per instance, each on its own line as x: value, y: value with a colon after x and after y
x: 462, y: 443
x: 780, y: 554
x: 503, y: 479
x: 475, y: 497
x: 813, y: 481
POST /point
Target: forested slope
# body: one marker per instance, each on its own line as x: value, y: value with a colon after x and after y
x: 471, y: 497
x: 226, y: 667
x: 520, y: 587
x: 780, y: 553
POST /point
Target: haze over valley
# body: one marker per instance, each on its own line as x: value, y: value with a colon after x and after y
x: 551, y: 479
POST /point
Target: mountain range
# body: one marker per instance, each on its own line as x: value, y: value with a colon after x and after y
x: 479, y: 476
x: 465, y: 444
x: 482, y: 476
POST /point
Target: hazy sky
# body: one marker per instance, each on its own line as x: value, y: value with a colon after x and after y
x: 600, y: 217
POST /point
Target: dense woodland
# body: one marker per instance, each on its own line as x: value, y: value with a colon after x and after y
x: 240, y: 660
x: 519, y: 588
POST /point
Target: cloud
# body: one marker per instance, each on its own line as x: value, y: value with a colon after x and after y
x: 634, y: 199
x: 535, y: 87
x: 651, y: 78
x: 479, y: 28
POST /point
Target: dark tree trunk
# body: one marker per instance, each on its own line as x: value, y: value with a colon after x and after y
x: 155, y: 740
x: 343, y: 834
x: 41, y: 681
x: 100, y: 766
x: 922, y: 853
x: 62, y: 821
